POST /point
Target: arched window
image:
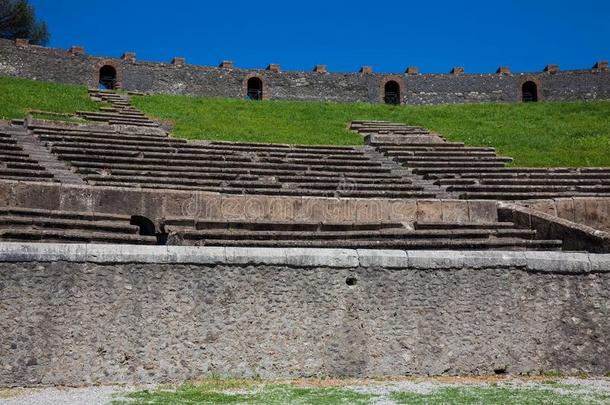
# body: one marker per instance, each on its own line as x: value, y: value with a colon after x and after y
x: 107, y: 78
x: 255, y: 89
x: 529, y: 92
x: 391, y: 93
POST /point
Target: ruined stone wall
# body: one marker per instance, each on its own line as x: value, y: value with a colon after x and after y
x: 78, y: 314
x: 73, y: 67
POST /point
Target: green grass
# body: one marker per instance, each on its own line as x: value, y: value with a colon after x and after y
x: 535, y: 134
x: 238, y: 391
x: 19, y: 96
x: 495, y: 396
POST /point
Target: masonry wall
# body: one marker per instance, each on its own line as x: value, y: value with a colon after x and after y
x: 60, y: 66
x: 112, y: 315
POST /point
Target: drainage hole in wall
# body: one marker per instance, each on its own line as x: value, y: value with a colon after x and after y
x: 351, y: 281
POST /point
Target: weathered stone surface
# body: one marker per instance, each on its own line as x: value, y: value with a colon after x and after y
x: 61, y: 66
x: 88, y: 323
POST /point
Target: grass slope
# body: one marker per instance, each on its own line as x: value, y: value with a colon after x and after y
x: 18, y: 96
x: 535, y: 134
x: 241, y: 391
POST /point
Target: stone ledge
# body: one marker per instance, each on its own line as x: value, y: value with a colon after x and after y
x: 546, y: 262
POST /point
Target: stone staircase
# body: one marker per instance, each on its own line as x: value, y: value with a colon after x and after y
x: 120, y: 113
x: 475, y: 172
x: 22, y: 160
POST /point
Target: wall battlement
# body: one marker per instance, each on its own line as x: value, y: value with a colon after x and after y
x: 74, y: 66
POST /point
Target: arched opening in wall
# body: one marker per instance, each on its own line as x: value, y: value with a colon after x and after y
x: 107, y: 78
x: 529, y: 92
x: 391, y: 93
x: 255, y: 89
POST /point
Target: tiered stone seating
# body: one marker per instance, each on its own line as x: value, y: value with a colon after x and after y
x: 478, y: 172
x: 15, y: 164
x: 120, y: 113
x: 34, y: 225
x: 125, y: 159
x: 524, y: 183
x: 470, y: 236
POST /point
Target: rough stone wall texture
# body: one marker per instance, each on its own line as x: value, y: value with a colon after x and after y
x: 590, y: 211
x: 156, y: 204
x: 84, y: 323
x: 62, y: 66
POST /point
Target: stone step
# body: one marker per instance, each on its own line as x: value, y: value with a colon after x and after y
x: 464, y: 225
x: 406, y: 244
x: 174, y: 161
x: 376, y: 235
x: 37, y: 223
x: 489, y: 195
x: 70, y: 215
x: 68, y: 236
x: 137, y: 167
x: 187, y: 222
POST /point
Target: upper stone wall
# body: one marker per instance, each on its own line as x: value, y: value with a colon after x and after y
x: 74, y: 67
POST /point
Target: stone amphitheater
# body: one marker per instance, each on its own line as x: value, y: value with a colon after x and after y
x: 127, y: 255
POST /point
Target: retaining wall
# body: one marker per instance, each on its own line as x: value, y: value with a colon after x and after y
x: 58, y: 65
x: 78, y: 314
x: 591, y: 211
x: 156, y: 204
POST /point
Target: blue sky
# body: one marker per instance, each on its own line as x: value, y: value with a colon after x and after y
x: 344, y: 35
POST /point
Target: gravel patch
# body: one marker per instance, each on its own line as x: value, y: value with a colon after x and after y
x: 61, y: 395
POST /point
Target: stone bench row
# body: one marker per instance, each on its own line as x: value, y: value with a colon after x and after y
x: 18, y: 224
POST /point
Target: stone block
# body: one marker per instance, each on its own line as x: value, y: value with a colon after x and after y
x: 557, y: 262
x: 429, y: 211
x: 503, y: 70
x: 493, y: 259
x: 367, y: 70
x: 383, y: 258
x: 402, y: 211
x: 273, y: 67
x: 42, y: 195
x: 226, y: 64
x: 255, y: 256
x: 6, y: 194
x: 580, y: 212
x: 458, y: 70
x: 320, y: 69
x: 77, y: 198
x: 22, y: 43
x: 600, y: 262
x: 119, y: 201
x: 129, y: 57
x: 565, y: 208
x: 434, y: 260
x: 455, y: 211
x: 76, y: 50
x: 42, y: 252
x: 412, y: 70
x: 482, y: 211
x: 196, y: 255
x: 551, y: 69
x: 178, y: 61
x: 601, y: 66
x: 126, y: 254
x: 301, y: 257
x: 372, y: 210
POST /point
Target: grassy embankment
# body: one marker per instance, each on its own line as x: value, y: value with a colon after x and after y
x: 541, y: 134
x: 20, y: 96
